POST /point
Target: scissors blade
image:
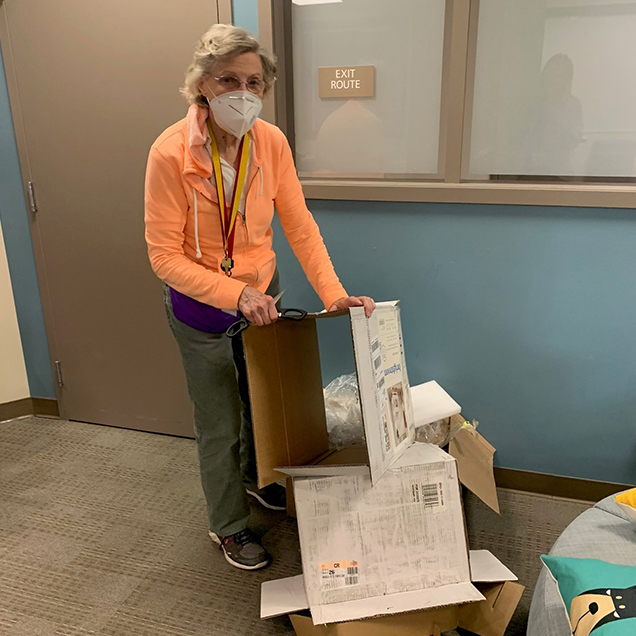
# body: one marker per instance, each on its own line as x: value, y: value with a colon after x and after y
x: 278, y: 296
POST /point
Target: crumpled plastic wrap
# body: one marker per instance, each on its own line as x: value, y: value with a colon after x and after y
x: 442, y: 431
x: 437, y: 433
x: 342, y: 405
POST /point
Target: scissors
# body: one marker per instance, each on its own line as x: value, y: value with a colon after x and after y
x: 289, y: 314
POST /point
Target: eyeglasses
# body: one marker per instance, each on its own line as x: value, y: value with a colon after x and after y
x: 233, y: 83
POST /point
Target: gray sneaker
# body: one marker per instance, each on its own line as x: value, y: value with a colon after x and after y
x: 242, y: 550
x: 273, y: 496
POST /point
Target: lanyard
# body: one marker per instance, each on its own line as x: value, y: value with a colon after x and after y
x: 228, y: 214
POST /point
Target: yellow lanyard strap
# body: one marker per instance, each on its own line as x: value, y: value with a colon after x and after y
x: 228, y: 218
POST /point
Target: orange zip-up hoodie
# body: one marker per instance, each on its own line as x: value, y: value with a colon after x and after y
x: 183, y: 227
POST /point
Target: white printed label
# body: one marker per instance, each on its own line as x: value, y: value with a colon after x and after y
x: 338, y: 574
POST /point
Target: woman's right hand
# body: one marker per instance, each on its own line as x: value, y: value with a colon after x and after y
x: 257, y: 307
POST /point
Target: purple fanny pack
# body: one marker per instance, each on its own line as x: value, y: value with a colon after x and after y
x: 200, y: 316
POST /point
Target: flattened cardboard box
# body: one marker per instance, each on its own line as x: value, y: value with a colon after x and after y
x: 396, y: 546
x: 489, y: 617
x: 287, y: 400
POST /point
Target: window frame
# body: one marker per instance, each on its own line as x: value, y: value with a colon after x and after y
x: 458, y: 80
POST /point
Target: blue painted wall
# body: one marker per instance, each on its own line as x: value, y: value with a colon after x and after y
x: 526, y: 316
x: 17, y: 237
x: 245, y: 14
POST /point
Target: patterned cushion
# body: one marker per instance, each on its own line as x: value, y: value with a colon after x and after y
x: 599, y: 598
x: 604, y: 532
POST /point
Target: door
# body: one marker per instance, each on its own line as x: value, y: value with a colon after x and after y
x: 92, y: 85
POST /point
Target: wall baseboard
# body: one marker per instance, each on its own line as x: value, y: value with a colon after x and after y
x: 556, y: 485
x: 44, y: 407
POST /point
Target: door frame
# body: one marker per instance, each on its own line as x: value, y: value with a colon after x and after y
x: 27, y: 176
x: 224, y: 15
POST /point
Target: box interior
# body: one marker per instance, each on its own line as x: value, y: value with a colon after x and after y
x: 286, y: 390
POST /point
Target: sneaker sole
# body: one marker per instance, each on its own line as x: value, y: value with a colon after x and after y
x: 236, y: 564
x: 261, y: 501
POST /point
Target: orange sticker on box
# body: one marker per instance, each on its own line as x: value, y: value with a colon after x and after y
x: 336, y: 565
x: 338, y: 574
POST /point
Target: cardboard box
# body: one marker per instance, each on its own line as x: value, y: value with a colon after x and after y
x: 489, y: 617
x: 396, y: 546
x: 381, y: 525
x: 286, y: 394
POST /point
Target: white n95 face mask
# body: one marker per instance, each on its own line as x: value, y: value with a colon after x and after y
x: 236, y: 112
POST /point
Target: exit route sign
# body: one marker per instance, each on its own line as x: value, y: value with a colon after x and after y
x: 346, y: 81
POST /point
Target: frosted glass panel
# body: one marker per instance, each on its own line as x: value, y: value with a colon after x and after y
x: 555, y: 92
x: 396, y: 132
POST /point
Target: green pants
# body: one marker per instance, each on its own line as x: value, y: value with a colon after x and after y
x: 217, y: 383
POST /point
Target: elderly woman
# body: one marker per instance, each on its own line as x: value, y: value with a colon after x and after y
x: 212, y: 184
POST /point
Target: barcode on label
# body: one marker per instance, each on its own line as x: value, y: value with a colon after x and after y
x: 430, y: 495
x: 375, y: 345
x: 377, y: 362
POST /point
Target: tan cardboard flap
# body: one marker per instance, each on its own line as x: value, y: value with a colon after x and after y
x: 474, y: 457
x: 303, y: 626
x: 492, y: 616
x: 286, y: 395
x: 351, y: 455
x: 429, y: 623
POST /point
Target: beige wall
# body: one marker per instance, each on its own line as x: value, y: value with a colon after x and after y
x: 13, y: 378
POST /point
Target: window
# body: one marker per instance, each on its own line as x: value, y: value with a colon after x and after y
x: 395, y: 132
x: 554, y: 93
x: 486, y: 101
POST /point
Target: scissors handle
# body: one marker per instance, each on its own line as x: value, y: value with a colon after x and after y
x: 239, y: 326
x: 293, y: 314
x: 242, y: 324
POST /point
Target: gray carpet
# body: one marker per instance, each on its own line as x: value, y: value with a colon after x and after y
x: 103, y: 532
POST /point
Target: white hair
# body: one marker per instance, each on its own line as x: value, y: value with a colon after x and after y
x: 220, y: 43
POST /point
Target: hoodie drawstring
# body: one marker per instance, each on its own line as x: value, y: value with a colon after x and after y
x: 260, y: 192
x: 196, y: 223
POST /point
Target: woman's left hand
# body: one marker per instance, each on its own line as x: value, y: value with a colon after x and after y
x: 355, y: 301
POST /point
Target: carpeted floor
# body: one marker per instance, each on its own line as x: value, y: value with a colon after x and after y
x: 103, y: 532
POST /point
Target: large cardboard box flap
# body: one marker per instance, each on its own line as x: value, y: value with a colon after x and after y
x: 492, y: 616
x: 488, y: 617
x: 396, y: 546
x: 432, y: 598
x: 474, y: 456
x: 287, y: 400
x: 288, y: 595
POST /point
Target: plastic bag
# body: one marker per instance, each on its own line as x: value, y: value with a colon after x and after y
x: 342, y: 405
x: 442, y: 431
x: 437, y: 433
